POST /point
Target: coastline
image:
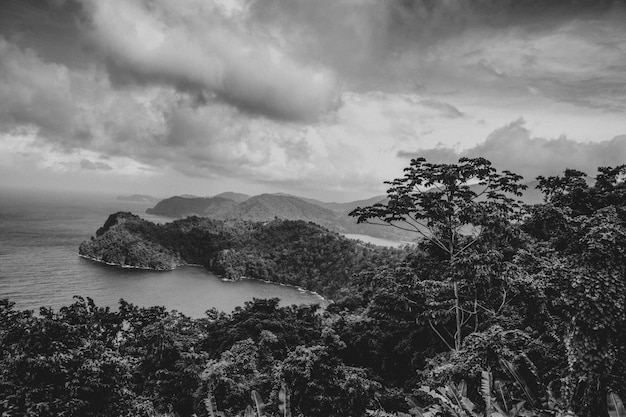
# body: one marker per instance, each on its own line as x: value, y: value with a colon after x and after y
x: 300, y: 289
x: 140, y: 268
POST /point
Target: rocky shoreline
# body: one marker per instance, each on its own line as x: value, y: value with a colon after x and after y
x: 124, y: 266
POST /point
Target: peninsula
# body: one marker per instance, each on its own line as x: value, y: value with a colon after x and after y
x: 292, y: 252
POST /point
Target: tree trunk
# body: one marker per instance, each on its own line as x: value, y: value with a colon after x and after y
x: 457, y: 335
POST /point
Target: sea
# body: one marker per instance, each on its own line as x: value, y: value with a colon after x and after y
x: 40, y: 232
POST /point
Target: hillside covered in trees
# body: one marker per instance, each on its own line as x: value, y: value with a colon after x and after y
x: 501, y: 309
x: 283, y: 251
x: 267, y: 207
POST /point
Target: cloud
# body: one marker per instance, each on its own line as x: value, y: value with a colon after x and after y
x: 95, y: 166
x: 79, y: 109
x: 196, y: 45
x: 446, y: 109
x: 312, y: 94
x: 76, y: 110
x: 292, y: 59
x: 71, y: 111
x: 512, y: 147
x: 33, y: 92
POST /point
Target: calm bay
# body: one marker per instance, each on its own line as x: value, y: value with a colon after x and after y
x: 39, y: 266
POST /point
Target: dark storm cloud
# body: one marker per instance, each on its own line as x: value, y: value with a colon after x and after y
x: 33, y: 92
x: 295, y: 91
x: 198, y: 45
x: 191, y: 45
x: 287, y: 59
x: 365, y: 38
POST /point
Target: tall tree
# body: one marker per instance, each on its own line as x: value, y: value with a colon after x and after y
x: 458, y: 211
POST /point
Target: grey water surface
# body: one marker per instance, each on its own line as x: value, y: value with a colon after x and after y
x: 39, y: 264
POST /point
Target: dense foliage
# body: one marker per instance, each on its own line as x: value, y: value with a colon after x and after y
x: 284, y: 251
x: 498, y: 310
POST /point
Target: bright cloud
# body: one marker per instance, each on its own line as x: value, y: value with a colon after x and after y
x: 196, y: 44
x: 513, y: 147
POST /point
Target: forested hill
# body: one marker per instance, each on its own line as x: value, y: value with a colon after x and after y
x: 192, y: 206
x: 284, y: 251
x: 266, y: 207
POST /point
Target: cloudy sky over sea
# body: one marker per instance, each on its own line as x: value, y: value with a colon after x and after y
x: 321, y: 98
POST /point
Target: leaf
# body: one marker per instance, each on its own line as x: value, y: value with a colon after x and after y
x: 615, y: 405
x: 552, y: 402
x: 497, y: 385
x: 462, y: 388
x: 258, y: 402
x: 209, y: 404
x: 510, y: 368
x: 443, y: 399
x: 468, y: 405
x: 453, y: 395
x: 415, y: 409
x: 485, y: 389
x: 410, y: 400
x: 249, y: 412
x: 283, y: 400
x: 515, y: 410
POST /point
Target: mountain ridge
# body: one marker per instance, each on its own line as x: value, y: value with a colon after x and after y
x: 267, y: 207
x: 270, y: 206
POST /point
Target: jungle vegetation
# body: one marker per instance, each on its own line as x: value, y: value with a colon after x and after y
x: 500, y: 309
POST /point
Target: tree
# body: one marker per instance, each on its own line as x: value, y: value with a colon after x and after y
x: 321, y: 384
x: 573, y: 191
x: 62, y: 363
x: 587, y: 274
x: 463, y: 213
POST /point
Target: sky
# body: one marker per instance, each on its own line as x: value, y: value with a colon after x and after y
x: 319, y: 98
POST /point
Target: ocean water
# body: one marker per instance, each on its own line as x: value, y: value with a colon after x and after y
x: 39, y: 264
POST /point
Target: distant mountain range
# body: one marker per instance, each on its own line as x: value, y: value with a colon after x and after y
x: 267, y: 207
x: 139, y: 197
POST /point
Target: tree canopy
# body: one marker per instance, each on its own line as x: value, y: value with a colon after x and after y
x: 499, y: 309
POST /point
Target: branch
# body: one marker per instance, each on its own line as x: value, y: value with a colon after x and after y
x: 476, y: 311
x: 439, y: 334
x: 432, y: 236
x: 470, y: 244
x: 503, y: 300
x: 389, y: 225
x: 437, y: 187
x: 417, y: 229
x: 483, y: 191
x: 417, y: 221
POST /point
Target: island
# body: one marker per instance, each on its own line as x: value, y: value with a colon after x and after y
x: 291, y: 252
